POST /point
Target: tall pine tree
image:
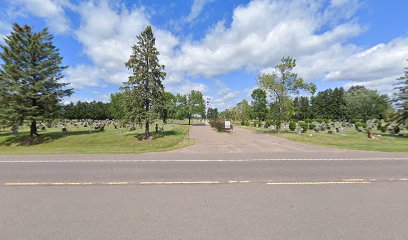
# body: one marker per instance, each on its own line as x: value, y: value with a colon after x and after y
x: 30, y: 78
x: 401, y: 98
x: 144, y: 88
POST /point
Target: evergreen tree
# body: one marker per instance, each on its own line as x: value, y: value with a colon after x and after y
x: 401, y: 98
x: 330, y: 104
x: 302, y: 108
x: 30, y: 78
x: 144, y: 88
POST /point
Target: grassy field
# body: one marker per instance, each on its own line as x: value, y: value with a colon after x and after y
x: 86, y: 140
x: 347, y: 139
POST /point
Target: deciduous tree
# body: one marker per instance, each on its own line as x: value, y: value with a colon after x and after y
x: 259, y: 104
x: 282, y: 83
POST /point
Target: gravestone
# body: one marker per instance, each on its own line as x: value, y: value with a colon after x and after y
x: 15, y: 130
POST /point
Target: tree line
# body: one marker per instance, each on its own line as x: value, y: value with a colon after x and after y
x: 32, y: 89
x: 172, y: 106
x: 277, y: 100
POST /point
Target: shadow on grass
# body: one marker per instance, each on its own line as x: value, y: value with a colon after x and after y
x: 24, y: 139
x: 154, y: 135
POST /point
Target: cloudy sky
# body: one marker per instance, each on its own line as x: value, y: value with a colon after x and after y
x: 220, y: 46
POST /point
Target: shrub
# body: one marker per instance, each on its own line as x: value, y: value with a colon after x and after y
x: 247, y: 123
x: 292, y: 126
x: 360, y: 124
x: 312, y: 126
x: 396, y: 129
x: 304, y: 126
x: 379, y: 125
x: 383, y: 129
x: 218, y: 125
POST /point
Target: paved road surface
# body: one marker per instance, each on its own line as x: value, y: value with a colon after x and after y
x: 268, y: 188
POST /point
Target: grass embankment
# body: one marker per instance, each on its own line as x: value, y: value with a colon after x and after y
x: 347, y: 139
x: 88, y: 140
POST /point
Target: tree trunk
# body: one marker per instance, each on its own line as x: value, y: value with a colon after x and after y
x: 147, y: 133
x: 147, y: 130
x: 189, y: 119
x: 33, y: 128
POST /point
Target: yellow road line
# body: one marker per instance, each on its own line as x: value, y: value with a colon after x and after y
x: 169, y: 183
x: 237, y: 181
x: 62, y: 183
x: 355, y: 180
x: 316, y: 183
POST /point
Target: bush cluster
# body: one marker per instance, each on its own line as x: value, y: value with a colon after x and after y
x: 360, y: 124
x: 312, y: 126
x: 245, y: 123
x: 304, y: 126
x: 292, y: 126
x: 219, y: 125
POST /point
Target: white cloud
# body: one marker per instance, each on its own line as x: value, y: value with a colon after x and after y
x: 108, y: 32
x: 225, y: 97
x: 51, y: 10
x: 260, y: 34
x: 196, y: 10
x: 375, y: 63
x: 383, y: 85
x: 82, y: 76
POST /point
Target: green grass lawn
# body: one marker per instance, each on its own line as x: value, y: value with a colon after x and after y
x: 351, y: 140
x: 86, y: 140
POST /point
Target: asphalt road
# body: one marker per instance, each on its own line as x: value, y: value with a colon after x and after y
x: 282, y: 190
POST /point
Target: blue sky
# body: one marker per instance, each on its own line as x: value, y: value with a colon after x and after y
x: 220, y: 46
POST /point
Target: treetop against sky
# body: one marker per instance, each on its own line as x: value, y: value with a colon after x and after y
x: 219, y: 47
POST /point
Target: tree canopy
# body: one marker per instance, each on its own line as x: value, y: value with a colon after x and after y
x: 144, y: 89
x: 30, y: 78
x: 281, y: 84
x: 401, y: 98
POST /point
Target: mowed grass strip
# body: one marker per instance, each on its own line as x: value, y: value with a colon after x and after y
x: 347, y: 139
x: 86, y: 140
